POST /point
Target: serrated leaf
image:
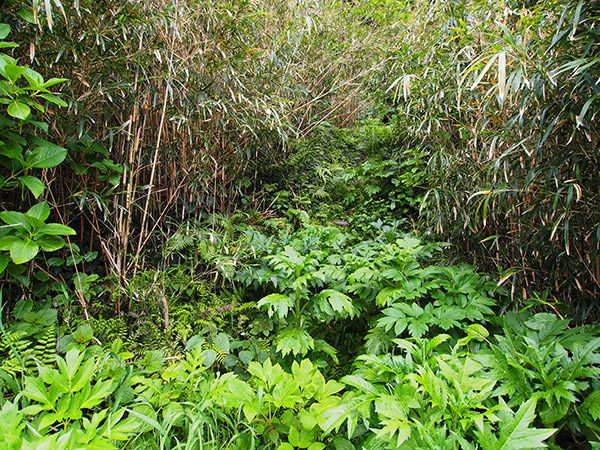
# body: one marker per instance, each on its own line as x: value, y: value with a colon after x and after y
x: 294, y: 340
x: 340, y: 303
x: 592, y: 404
x: 277, y: 303
x: 515, y: 433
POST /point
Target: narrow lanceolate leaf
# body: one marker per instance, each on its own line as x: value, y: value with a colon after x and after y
x: 502, y: 76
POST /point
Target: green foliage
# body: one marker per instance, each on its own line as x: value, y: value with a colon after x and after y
x: 427, y: 300
x: 312, y: 283
x: 200, y: 336
x: 29, y: 341
x: 445, y: 401
x: 505, y: 109
x: 539, y: 357
x: 22, y: 151
x: 354, y: 176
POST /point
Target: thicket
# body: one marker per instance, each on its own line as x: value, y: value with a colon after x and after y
x: 224, y: 226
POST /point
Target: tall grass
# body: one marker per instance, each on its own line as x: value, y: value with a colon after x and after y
x: 190, y: 100
x: 505, y: 94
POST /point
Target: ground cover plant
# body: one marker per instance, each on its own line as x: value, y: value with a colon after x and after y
x: 299, y: 225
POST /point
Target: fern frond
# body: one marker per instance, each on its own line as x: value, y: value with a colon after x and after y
x: 45, y: 350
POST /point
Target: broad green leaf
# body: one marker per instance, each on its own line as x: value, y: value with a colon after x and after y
x: 340, y: 303
x: 46, y: 156
x: 41, y: 211
x: 122, y: 430
x: 19, y: 110
x: 286, y: 394
x: 15, y: 218
x: 34, y: 79
x: 50, y: 243
x: 99, y: 393
x: 346, y: 410
x: 11, y: 149
x: 4, y: 30
x: 342, y: 444
x: 23, y: 251
x: 316, y: 446
x: 7, y: 242
x: 55, y: 229
x: 13, y: 72
x: 360, y: 383
x: 592, y: 404
x: 246, y: 356
x: 83, y: 375
x: 33, y: 184
x: 308, y: 420
x: 222, y: 342
x: 209, y: 357
x: 35, y: 389
x: 515, y: 433
x: 4, y: 260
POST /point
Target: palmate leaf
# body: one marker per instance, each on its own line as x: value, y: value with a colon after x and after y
x: 591, y: 405
x: 348, y: 410
x: 277, y: 303
x: 294, y: 340
x: 515, y: 432
x: 331, y: 302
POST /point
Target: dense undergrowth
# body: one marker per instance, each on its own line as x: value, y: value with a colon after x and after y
x: 234, y: 237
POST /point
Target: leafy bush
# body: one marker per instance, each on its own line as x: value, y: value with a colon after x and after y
x: 22, y: 153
